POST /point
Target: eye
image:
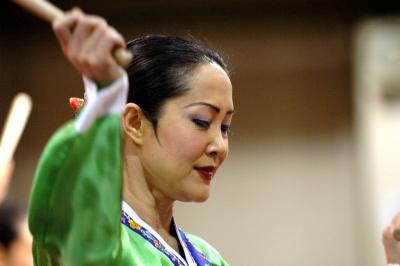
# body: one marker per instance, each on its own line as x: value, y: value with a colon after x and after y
x: 226, y: 129
x: 201, y: 123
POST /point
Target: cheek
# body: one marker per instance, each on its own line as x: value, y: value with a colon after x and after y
x: 184, y: 143
x: 225, y: 154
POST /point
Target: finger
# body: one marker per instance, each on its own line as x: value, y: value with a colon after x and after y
x: 114, y: 41
x: 388, y: 238
x: 396, y: 234
x: 82, y: 35
x: 395, y: 226
x: 101, y: 44
x: 386, y: 235
x: 64, y: 26
x: 86, y: 25
x: 396, y: 221
x: 106, y: 39
x: 110, y: 41
x: 119, y: 41
x: 100, y: 59
x: 88, y: 58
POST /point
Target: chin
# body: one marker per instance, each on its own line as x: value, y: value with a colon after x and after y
x: 201, y: 199
x: 201, y: 196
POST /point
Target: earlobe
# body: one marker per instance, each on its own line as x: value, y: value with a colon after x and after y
x: 133, y: 122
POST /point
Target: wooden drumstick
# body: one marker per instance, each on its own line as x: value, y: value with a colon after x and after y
x: 14, y: 126
x: 49, y: 13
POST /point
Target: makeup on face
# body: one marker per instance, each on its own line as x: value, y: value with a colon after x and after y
x: 203, y: 115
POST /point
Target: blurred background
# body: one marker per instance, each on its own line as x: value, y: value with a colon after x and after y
x: 313, y: 172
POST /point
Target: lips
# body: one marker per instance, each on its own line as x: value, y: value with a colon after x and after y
x: 207, y: 172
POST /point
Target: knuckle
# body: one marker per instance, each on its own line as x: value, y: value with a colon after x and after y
x: 97, y: 21
x: 116, y: 34
x: 81, y: 59
x: 59, y: 24
x: 110, y: 35
x: 101, y: 22
x: 99, y: 65
x: 116, y: 37
x: 56, y: 25
x: 93, y: 62
x: 86, y: 21
x: 70, y: 54
x: 102, y: 30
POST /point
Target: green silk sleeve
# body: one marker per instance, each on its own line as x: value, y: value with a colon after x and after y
x: 75, y: 205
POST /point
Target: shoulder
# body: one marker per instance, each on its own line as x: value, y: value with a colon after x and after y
x: 208, y: 250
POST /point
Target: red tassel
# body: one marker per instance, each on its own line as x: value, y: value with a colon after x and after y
x: 76, y: 103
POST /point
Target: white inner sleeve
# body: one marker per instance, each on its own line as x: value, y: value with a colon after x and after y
x: 109, y: 100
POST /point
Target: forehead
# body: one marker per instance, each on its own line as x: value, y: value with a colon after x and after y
x: 209, y: 82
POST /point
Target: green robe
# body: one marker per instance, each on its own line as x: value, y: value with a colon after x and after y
x: 75, y: 206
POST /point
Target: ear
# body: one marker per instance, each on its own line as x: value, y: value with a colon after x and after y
x: 133, y: 122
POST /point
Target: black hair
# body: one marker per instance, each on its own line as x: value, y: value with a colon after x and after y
x: 10, y: 218
x: 160, y: 69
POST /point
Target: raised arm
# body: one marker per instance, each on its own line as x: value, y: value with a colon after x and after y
x: 74, y: 212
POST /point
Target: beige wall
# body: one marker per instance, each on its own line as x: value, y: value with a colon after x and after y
x: 285, y: 195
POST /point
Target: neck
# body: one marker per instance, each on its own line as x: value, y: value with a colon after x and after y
x: 152, y: 206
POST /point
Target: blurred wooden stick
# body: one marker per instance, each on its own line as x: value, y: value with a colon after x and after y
x: 49, y: 13
x: 42, y: 9
x: 14, y: 126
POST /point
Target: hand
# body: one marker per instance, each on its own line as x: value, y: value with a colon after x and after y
x: 88, y: 42
x: 6, y: 172
x: 391, y: 245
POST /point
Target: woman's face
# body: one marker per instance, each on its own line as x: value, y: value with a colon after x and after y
x: 192, y: 137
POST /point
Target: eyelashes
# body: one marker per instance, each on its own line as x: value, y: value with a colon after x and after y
x: 204, y: 124
x: 201, y: 123
x: 226, y: 129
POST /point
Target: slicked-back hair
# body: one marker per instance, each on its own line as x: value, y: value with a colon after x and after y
x: 160, y: 70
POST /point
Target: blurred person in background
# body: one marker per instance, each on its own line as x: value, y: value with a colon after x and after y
x: 15, y: 239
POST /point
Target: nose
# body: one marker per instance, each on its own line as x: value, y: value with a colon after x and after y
x: 218, y: 146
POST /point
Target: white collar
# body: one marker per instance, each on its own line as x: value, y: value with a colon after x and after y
x: 189, y: 262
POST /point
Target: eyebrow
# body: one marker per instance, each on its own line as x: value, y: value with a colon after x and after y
x: 215, y: 108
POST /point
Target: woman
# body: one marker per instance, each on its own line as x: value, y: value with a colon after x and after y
x: 15, y: 239
x: 174, y: 132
